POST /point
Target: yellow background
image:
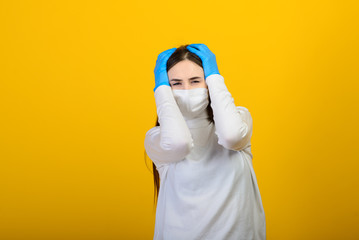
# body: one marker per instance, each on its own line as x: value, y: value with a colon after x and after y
x: 76, y: 99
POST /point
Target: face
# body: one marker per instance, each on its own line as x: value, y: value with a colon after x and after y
x: 186, y: 75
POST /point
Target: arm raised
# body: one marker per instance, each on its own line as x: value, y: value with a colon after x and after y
x: 171, y: 141
x: 233, y: 123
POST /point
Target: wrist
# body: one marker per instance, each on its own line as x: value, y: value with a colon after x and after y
x: 160, y: 84
x: 214, y: 76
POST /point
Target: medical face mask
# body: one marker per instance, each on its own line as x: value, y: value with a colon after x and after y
x: 192, y: 102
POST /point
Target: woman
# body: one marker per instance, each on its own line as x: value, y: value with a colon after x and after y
x: 201, y: 149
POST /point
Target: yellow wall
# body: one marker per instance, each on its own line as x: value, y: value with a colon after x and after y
x: 76, y: 99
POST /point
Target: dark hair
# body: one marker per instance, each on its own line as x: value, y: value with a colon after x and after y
x: 181, y: 53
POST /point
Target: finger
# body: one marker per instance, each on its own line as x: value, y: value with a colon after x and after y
x: 202, y: 47
x: 164, y: 54
x: 195, y: 51
x: 169, y: 52
x: 163, y: 57
x: 199, y: 46
x: 205, y: 48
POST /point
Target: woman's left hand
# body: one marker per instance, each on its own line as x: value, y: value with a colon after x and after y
x: 208, y: 58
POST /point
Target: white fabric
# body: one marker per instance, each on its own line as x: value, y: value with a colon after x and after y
x: 191, y: 102
x: 208, y: 188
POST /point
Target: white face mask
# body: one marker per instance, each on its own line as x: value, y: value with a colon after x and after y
x: 191, y: 102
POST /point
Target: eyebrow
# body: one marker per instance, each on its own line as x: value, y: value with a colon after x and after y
x: 179, y: 80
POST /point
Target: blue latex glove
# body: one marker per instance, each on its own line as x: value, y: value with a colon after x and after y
x: 208, y: 58
x: 161, y: 77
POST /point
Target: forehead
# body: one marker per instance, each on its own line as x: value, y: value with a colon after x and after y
x: 185, y: 69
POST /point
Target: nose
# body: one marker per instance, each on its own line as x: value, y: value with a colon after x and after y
x: 186, y: 86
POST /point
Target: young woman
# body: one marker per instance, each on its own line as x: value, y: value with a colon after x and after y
x: 201, y: 149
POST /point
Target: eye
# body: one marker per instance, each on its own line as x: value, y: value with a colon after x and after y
x: 175, y: 84
x: 195, y: 81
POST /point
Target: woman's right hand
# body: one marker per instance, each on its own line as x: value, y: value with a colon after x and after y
x: 161, y: 77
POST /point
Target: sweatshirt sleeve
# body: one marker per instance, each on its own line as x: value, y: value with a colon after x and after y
x: 171, y: 141
x: 233, y: 123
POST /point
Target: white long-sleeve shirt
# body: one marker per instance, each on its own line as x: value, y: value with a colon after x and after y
x: 208, y: 188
